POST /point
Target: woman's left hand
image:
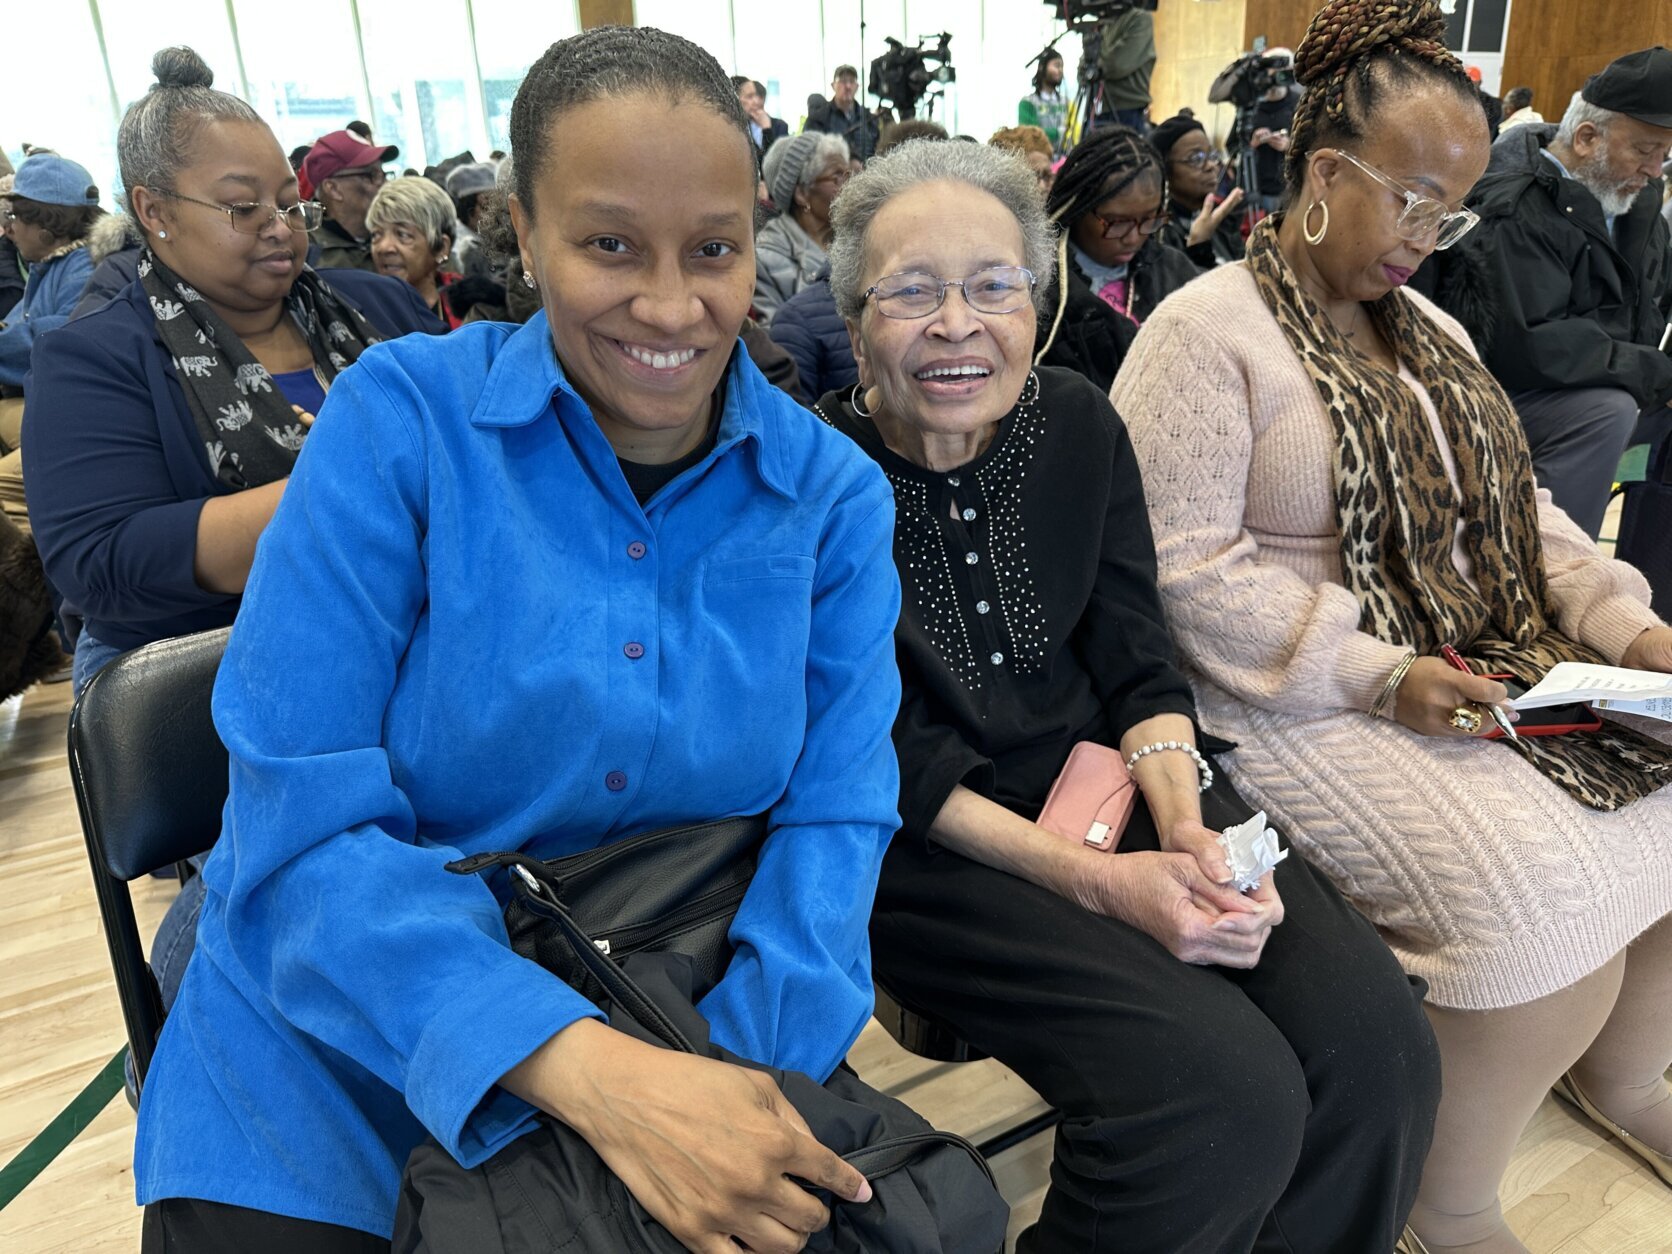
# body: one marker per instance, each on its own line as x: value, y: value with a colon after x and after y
x: 1188, y: 836
x: 1651, y: 651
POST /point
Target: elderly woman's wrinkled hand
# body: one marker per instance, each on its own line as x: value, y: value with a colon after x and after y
x: 1214, y: 211
x: 1166, y: 896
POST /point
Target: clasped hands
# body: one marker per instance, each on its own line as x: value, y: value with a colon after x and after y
x: 1182, y: 897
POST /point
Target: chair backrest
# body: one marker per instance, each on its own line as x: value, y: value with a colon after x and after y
x: 150, y: 776
x: 149, y: 767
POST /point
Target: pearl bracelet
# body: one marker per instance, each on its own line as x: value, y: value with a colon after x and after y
x: 1181, y: 747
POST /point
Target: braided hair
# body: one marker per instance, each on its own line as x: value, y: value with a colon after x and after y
x: 1103, y: 165
x: 1045, y: 58
x: 612, y: 61
x: 1355, y: 52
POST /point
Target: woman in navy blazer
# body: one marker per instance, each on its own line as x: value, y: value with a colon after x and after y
x: 139, y: 533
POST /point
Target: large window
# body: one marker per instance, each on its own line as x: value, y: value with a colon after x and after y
x: 303, y: 62
x: 510, y: 36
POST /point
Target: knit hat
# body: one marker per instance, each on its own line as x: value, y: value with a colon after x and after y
x: 1165, y: 134
x: 783, y: 167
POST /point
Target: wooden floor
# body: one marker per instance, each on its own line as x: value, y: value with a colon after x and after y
x: 1568, y: 1190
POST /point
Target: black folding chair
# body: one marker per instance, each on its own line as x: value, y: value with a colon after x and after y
x: 150, y: 777
x: 928, y: 1037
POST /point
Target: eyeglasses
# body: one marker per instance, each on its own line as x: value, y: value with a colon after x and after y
x: 1422, y: 216
x: 910, y: 294
x: 837, y: 177
x: 377, y: 178
x: 252, y: 217
x: 1115, y: 228
x: 1202, y: 160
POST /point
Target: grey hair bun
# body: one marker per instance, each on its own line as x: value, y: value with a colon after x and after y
x: 180, y: 67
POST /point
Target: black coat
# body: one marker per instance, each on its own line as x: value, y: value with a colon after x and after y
x: 1092, y: 338
x: 861, y: 131
x: 1226, y: 244
x: 1550, y: 298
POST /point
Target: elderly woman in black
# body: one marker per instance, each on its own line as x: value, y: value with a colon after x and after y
x: 1225, y: 1083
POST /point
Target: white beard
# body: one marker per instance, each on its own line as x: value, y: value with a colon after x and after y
x: 1615, y: 197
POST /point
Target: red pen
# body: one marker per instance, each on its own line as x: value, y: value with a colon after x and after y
x: 1454, y: 659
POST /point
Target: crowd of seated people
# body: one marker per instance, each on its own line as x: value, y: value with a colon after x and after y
x: 866, y: 513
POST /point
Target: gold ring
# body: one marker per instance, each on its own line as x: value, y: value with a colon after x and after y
x: 1465, y: 719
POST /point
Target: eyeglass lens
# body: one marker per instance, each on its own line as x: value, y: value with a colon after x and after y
x: 1002, y: 289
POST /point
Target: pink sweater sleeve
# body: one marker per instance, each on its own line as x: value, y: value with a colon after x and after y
x: 1249, y: 624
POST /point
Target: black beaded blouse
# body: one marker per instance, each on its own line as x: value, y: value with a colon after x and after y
x: 1030, y: 618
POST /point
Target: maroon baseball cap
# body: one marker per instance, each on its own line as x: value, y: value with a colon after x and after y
x: 340, y: 150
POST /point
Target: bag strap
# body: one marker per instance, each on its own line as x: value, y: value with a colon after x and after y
x: 890, y: 1155
x: 622, y: 990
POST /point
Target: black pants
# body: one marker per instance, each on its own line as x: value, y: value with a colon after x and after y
x: 187, y: 1226
x: 1284, y: 1109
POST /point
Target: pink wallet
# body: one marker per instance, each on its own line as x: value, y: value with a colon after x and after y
x: 1092, y: 799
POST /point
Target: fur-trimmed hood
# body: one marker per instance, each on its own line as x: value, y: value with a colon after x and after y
x: 111, y: 234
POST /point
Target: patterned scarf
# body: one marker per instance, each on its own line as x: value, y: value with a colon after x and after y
x: 249, y: 431
x: 1397, y: 512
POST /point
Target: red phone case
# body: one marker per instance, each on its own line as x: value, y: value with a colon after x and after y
x: 1566, y: 718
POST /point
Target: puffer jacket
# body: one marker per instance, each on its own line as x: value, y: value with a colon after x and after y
x: 787, y: 259
x: 1079, y: 331
x: 810, y: 330
x: 1550, y: 297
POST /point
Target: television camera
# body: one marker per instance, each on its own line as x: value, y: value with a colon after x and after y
x: 902, y: 75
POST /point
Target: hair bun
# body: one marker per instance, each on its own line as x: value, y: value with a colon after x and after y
x: 180, y: 67
x: 1345, y: 32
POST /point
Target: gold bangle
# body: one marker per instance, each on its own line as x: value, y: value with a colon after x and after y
x: 1390, y: 688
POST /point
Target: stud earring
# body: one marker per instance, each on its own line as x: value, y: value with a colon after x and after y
x: 528, y: 281
x: 162, y: 234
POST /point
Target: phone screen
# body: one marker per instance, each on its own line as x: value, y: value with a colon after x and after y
x: 1227, y: 181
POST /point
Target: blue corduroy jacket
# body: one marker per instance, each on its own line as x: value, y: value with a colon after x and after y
x: 463, y: 633
x: 116, y: 470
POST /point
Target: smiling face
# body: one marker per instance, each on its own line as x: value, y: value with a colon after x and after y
x: 1363, y: 256
x: 956, y: 370
x: 1138, y: 200
x: 645, y: 291
x: 1192, y: 184
x: 401, y: 251
x: 229, y: 161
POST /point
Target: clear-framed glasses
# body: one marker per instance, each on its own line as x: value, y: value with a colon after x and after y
x: 1422, y: 216
x: 1202, y: 160
x: 912, y: 294
x: 252, y: 217
x: 1116, y: 228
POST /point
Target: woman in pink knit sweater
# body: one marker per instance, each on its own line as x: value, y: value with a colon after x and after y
x: 1337, y: 489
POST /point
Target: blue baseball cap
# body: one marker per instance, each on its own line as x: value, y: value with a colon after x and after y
x: 55, y: 180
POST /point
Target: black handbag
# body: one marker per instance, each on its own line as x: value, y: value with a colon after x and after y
x: 640, y: 927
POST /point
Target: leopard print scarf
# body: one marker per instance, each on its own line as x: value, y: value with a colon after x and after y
x: 1398, y: 512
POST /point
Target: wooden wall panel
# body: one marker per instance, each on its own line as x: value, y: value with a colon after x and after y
x: 1194, y: 40
x: 1555, y: 45
x: 606, y: 13
x: 1282, y: 22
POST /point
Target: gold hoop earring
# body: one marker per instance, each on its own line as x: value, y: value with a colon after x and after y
x: 1323, y: 230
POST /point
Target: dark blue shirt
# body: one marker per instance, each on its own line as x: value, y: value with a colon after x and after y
x: 117, y: 472
x: 463, y: 633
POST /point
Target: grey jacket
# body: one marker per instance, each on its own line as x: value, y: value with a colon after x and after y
x: 787, y: 259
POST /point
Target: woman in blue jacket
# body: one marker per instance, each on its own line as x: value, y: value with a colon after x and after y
x: 161, y: 429
x: 539, y: 588
x: 52, y: 206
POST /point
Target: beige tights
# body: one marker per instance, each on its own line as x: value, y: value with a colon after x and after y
x: 1624, y: 1070
x: 1496, y: 1067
